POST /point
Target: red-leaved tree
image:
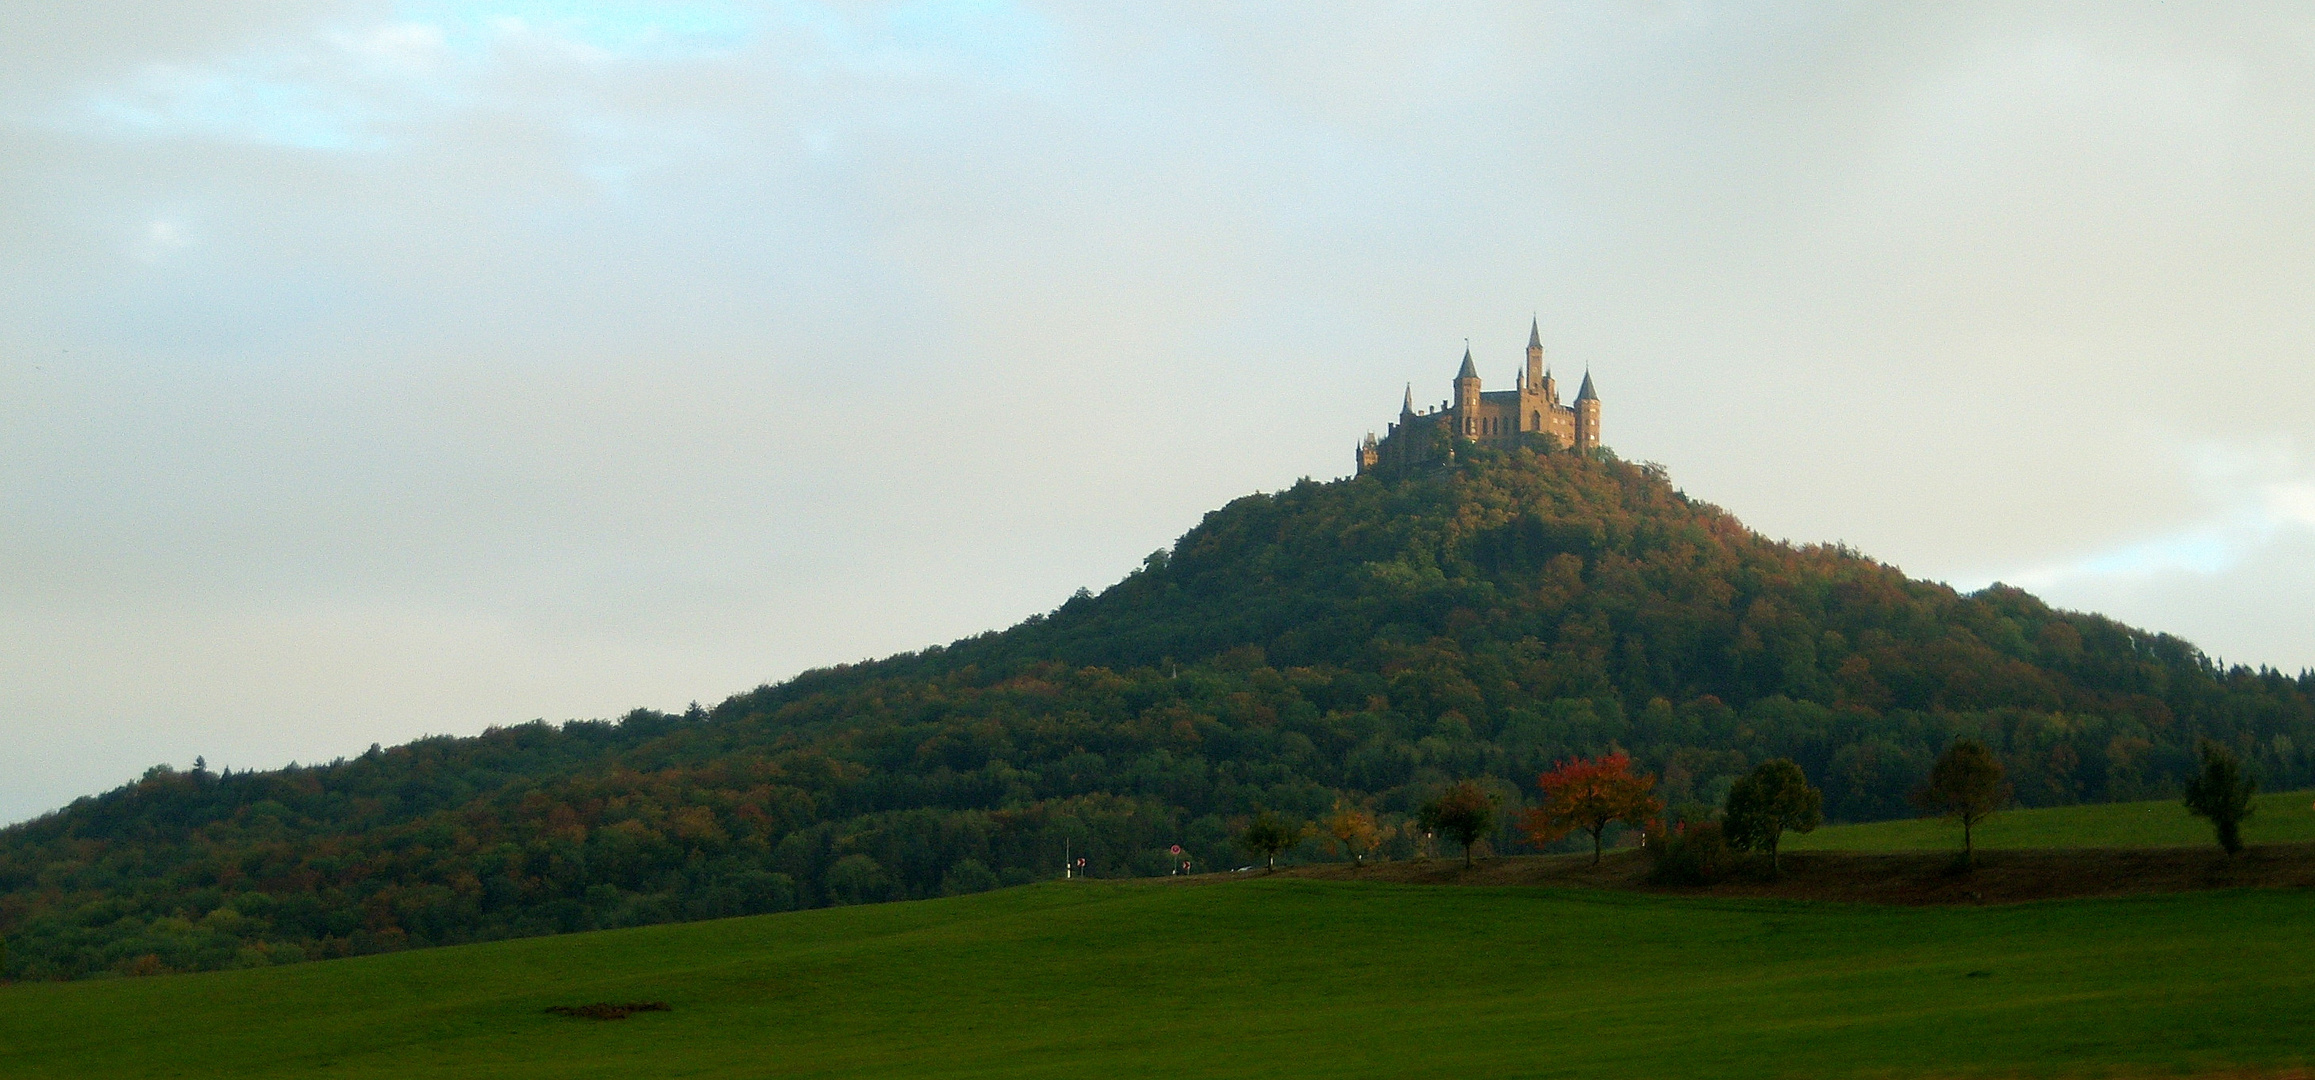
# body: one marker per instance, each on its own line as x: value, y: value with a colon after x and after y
x: 1590, y: 794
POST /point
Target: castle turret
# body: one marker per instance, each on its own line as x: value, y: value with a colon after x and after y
x: 1467, y: 397
x: 1587, y: 417
x: 1534, y: 355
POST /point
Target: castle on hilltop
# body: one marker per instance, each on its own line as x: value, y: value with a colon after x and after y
x: 1498, y: 418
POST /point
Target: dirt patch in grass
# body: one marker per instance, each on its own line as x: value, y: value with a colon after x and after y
x: 2000, y: 877
x: 605, y: 1010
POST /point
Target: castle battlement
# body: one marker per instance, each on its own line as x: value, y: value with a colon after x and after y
x: 1492, y: 417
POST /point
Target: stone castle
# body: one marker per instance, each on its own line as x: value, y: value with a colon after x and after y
x: 1498, y: 418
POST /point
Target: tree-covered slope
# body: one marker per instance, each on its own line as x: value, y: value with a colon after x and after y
x: 1364, y: 639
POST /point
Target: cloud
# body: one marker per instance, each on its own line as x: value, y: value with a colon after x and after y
x: 158, y: 239
x: 330, y: 90
x: 594, y: 31
x: 369, y: 86
x: 2233, y: 582
x: 2259, y: 496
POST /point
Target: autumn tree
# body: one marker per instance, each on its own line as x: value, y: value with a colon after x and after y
x: 1462, y: 813
x: 1966, y: 785
x: 1590, y: 794
x: 2222, y: 793
x: 1353, y: 831
x: 1268, y: 834
x: 1766, y: 802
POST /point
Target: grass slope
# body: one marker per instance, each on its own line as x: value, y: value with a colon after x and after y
x: 1272, y: 977
x: 2280, y: 818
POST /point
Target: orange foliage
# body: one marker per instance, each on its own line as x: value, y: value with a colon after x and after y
x: 1590, y: 794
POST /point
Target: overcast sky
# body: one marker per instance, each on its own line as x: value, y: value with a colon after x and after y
x: 372, y: 370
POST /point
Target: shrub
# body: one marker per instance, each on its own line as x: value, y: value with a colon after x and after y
x: 967, y: 876
x: 1693, y: 853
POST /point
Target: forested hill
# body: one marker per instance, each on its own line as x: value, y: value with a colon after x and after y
x: 1365, y: 639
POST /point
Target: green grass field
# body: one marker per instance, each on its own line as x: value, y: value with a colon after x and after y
x: 1253, y: 978
x: 2279, y: 817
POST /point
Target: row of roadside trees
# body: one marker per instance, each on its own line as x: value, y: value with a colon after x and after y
x: 1592, y: 795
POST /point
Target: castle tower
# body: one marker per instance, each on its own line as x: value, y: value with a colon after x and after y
x: 1587, y: 417
x: 1538, y: 395
x: 1535, y: 355
x: 1467, y: 397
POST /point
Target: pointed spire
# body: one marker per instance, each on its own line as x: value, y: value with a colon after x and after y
x: 1408, y: 409
x: 1468, y: 372
x: 1535, y: 333
x: 1586, y: 393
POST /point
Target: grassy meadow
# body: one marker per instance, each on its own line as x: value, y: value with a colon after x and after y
x: 2280, y: 817
x: 1255, y: 977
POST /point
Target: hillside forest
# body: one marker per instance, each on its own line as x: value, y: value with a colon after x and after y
x: 1366, y: 642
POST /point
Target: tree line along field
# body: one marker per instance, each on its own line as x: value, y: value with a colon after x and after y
x: 2279, y: 818
x: 1255, y: 976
